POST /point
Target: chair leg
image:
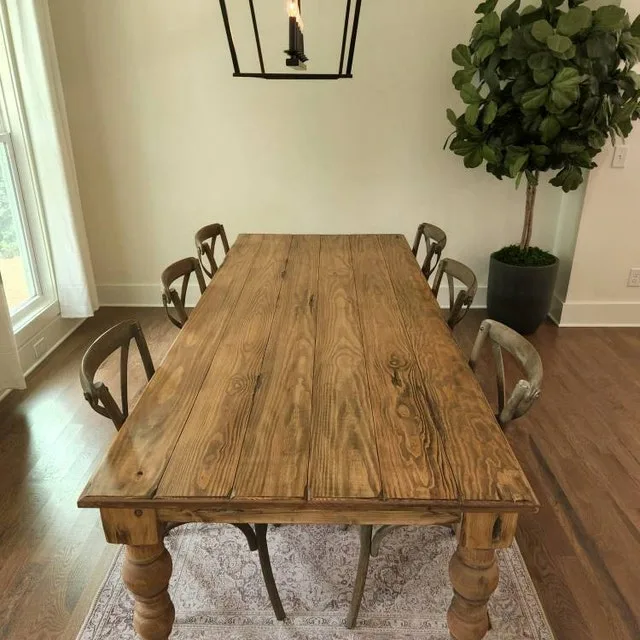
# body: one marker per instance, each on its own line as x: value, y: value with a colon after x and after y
x: 361, y: 577
x: 249, y: 535
x: 267, y: 573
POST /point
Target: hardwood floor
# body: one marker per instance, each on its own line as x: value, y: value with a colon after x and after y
x: 580, y: 447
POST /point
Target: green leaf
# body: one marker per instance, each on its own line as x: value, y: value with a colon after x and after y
x: 575, y: 21
x: 610, y: 18
x: 534, y: 99
x: 510, y: 16
x: 506, y: 36
x: 596, y: 139
x: 461, y: 56
x: 470, y: 94
x: 491, y: 25
x: 474, y: 158
x: 462, y: 147
x: 517, y: 164
x: 570, y: 178
x: 485, y: 49
x: 462, y: 77
x: 471, y: 114
x: 601, y: 46
x: 559, y: 44
x: 549, y: 129
x: 565, y: 88
x: 541, y: 60
x: 543, y: 77
x: 487, y: 7
x: 519, y: 48
x: 489, y: 154
x: 635, y: 27
x: 452, y: 118
x: 490, y: 113
x: 542, y: 31
x: 571, y: 146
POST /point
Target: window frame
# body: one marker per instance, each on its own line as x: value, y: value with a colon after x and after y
x: 14, y: 132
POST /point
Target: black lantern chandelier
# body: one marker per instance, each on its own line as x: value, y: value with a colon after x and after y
x: 296, y: 58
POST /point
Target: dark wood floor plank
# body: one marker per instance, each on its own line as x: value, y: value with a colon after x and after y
x: 344, y: 460
x: 205, y: 459
x: 412, y: 459
x: 137, y: 459
x: 463, y: 421
x: 279, y: 430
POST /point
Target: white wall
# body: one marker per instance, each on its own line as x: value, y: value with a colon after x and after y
x: 607, y: 246
x: 165, y: 140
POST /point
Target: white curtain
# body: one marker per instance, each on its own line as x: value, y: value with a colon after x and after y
x: 47, y: 120
x: 10, y: 370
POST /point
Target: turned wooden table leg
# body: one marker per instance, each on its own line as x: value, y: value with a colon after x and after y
x: 474, y: 572
x: 146, y: 572
x: 474, y: 576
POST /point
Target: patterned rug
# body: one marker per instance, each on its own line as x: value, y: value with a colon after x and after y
x: 218, y: 591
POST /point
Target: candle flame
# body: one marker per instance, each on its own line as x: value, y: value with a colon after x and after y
x: 293, y: 10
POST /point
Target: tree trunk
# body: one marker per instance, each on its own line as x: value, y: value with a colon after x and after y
x: 528, y: 215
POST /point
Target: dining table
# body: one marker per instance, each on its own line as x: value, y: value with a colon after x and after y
x: 315, y: 381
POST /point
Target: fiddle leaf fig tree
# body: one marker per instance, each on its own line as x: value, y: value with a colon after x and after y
x: 545, y: 87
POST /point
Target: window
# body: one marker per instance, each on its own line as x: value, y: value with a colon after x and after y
x: 24, y: 257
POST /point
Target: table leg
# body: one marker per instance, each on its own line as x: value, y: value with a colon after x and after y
x: 474, y: 575
x: 146, y: 572
x: 474, y: 572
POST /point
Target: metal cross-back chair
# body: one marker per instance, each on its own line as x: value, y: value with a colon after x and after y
x: 180, y: 269
x: 435, y: 240
x: 206, y: 244
x: 99, y: 397
x: 458, y: 306
x: 526, y: 392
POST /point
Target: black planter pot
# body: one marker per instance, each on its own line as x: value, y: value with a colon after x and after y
x: 518, y: 296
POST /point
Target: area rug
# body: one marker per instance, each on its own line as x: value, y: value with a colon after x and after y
x: 218, y: 591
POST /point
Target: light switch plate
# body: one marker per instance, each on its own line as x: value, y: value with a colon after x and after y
x: 634, y: 278
x: 619, y: 157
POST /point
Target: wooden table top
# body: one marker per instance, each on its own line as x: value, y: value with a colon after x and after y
x: 315, y: 374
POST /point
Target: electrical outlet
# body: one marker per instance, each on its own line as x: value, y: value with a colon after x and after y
x: 619, y: 157
x: 39, y: 348
x: 634, y: 278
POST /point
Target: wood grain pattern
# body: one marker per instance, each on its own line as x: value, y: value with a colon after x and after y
x: 344, y: 460
x: 137, y: 459
x: 485, y: 466
x: 412, y: 460
x: 273, y: 461
x: 371, y: 399
x: 206, y: 456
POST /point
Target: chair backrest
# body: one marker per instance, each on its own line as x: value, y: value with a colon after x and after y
x: 205, y: 245
x: 525, y: 392
x: 96, y: 393
x: 459, y: 305
x: 435, y: 240
x: 180, y: 269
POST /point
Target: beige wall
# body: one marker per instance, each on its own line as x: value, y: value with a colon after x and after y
x: 165, y: 140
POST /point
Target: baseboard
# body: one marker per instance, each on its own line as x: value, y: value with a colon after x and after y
x: 600, y: 314
x: 149, y: 295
